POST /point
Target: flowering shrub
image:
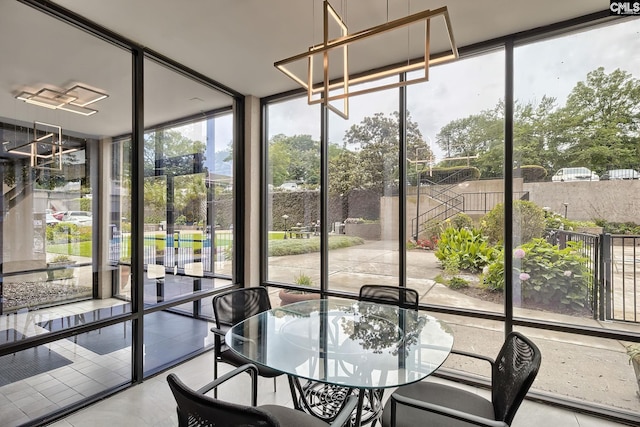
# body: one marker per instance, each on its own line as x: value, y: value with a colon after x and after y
x: 427, y: 243
x: 556, y: 278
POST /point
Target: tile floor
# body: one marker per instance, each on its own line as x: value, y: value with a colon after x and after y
x: 151, y: 403
x: 85, y: 373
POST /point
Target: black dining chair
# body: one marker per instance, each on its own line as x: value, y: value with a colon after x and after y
x: 232, y: 307
x: 196, y: 409
x: 394, y: 295
x: 434, y: 404
x: 407, y: 298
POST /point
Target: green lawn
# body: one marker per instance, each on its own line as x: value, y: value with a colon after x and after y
x: 77, y: 249
x: 304, y: 246
x: 278, y: 246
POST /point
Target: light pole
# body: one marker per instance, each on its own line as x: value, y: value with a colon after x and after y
x: 566, y: 205
x: 285, y: 217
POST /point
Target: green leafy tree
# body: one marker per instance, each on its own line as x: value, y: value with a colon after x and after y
x: 294, y: 158
x: 599, y: 123
x: 344, y: 169
x: 376, y: 139
x: 190, y: 197
x: 598, y: 127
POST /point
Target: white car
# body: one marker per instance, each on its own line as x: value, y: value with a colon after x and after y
x: 78, y: 217
x: 621, y: 174
x: 574, y: 174
x: 51, y: 220
x: 289, y: 186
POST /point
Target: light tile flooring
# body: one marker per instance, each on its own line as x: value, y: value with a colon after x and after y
x: 86, y: 375
x: 151, y: 403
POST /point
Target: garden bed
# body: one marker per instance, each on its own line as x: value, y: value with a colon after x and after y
x: 18, y: 295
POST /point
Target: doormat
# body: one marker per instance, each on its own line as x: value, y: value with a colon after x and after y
x: 26, y: 363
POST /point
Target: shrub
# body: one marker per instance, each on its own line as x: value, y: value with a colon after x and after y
x: 556, y: 278
x: 303, y: 280
x: 468, y: 249
x: 460, y: 220
x: 556, y: 221
x: 618, y: 227
x: 85, y: 204
x: 434, y: 227
x: 303, y: 246
x: 529, y: 221
x: 457, y: 283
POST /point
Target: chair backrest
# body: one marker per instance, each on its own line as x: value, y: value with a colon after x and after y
x: 195, y: 409
x: 394, y: 295
x: 236, y: 305
x: 513, y: 373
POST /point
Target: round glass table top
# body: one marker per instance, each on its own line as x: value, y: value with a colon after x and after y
x: 345, y: 342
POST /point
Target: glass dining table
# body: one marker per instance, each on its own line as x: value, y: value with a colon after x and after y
x: 331, y: 348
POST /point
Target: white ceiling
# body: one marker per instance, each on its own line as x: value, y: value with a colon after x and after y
x: 234, y: 42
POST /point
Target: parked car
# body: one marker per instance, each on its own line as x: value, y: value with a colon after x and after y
x: 290, y: 186
x: 51, y: 220
x: 78, y: 217
x: 574, y: 174
x: 621, y: 174
x: 56, y: 215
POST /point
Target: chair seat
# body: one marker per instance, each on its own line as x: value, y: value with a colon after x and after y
x: 291, y: 417
x: 439, y: 394
x: 235, y: 359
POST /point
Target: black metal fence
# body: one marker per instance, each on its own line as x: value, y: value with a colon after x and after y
x: 620, y: 278
x: 613, y: 265
x: 177, y: 250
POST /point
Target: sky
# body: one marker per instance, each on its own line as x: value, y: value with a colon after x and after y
x: 469, y: 86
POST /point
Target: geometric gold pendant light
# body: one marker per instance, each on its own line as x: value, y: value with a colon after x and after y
x: 46, y: 148
x: 333, y: 54
x: 75, y: 99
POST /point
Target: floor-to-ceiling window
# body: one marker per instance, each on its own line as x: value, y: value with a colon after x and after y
x: 459, y: 113
x: 57, y: 120
x: 292, y: 217
x: 568, y: 276
x: 68, y: 288
x: 575, y: 119
x: 364, y: 183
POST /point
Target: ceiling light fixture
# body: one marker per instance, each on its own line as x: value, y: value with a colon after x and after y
x: 75, y: 99
x: 45, y: 149
x: 338, y: 88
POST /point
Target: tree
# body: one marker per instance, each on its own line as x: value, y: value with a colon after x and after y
x: 294, y: 158
x: 599, y: 123
x: 470, y: 135
x: 171, y: 147
x: 345, y: 173
x: 597, y: 128
x: 376, y: 140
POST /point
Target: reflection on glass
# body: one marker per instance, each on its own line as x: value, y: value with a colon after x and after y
x: 380, y: 328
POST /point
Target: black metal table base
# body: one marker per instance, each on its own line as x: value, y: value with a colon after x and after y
x: 324, y: 401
